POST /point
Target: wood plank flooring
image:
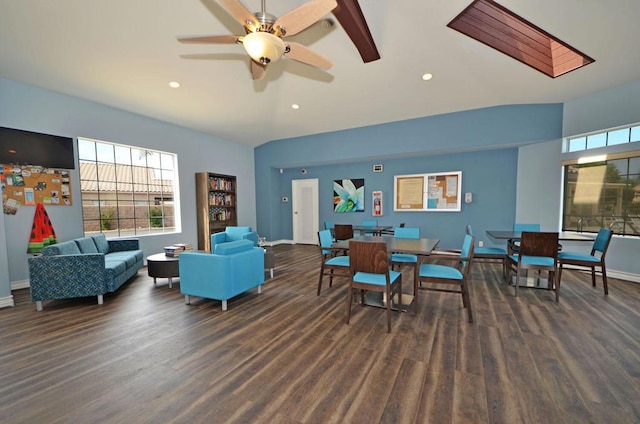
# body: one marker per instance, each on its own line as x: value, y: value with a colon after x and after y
x: 286, y: 356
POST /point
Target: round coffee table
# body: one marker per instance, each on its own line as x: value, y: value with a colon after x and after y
x: 162, y: 266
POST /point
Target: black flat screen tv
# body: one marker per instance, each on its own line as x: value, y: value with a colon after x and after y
x: 18, y: 147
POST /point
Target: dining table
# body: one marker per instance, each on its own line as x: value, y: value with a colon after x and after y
x: 375, y: 230
x: 535, y: 281
x: 420, y: 247
x: 562, y: 235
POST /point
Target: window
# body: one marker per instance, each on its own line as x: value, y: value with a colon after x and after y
x: 603, y: 139
x: 603, y: 194
x: 126, y: 190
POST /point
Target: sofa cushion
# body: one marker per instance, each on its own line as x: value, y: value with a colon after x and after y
x: 64, y: 248
x: 115, y: 267
x: 101, y: 243
x: 86, y: 245
x: 130, y: 257
x: 233, y: 247
x: 236, y: 233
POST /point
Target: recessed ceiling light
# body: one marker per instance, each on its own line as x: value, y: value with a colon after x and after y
x: 427, y: 77
x: 295, y: 106
x: 174, y: 84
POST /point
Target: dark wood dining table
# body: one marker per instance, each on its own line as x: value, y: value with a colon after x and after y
x: 536, y: 281
x: 562, y: 235
x: 421, y: 247
x: 375, y: 230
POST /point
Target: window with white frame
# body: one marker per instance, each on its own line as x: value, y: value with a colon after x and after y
x: 126, y: 190
x: 602, y: 182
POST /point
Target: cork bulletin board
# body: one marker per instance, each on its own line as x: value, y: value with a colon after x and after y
x: 29, y: 185
x: 434, y: 192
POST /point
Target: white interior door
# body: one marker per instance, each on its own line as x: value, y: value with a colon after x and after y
x: 304, y: 204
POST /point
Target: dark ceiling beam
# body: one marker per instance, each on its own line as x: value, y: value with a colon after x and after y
x: 350, y: 16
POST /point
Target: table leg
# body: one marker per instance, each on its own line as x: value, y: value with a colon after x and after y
x: 170, y: 282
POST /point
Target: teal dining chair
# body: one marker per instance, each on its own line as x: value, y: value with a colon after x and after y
x: 369, y: 223
x: 592, y: 260
x: 513, y: 244
x: 400, y: 259
x: 437, y: 275
x: 539, y: 252
x: 330, y: 261
x: 489, y: 254
x: 369, y: 269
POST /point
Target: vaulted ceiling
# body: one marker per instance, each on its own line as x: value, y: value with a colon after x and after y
x: 124, y: 53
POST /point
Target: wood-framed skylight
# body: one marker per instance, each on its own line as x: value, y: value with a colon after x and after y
x: 503, y: 30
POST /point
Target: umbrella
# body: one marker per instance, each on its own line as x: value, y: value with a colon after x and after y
x: 42, y: 233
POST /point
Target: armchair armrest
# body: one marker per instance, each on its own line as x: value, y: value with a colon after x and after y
x: 253, y: 236
x: 67, y: 276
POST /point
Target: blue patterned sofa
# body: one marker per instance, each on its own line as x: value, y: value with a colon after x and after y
x: 87, y: 266
x: 233, y: 268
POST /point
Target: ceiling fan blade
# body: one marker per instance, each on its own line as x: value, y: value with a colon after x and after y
x: 305, y: 55
x: 350, y: 16
x: 257, y: 70
x: 304, y: 16
x: 211, y: 39
x: 238, y: 11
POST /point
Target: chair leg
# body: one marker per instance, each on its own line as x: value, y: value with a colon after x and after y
x: 320, y: 279
x: 388, y: 291
x: 349, y: 302
x: 552, y: 282
x: 331, y: 277
x: 466, y: 300
x: 517, y: 279
x: 604, y: 279
x: 593, y: 276
x: 559, y: 272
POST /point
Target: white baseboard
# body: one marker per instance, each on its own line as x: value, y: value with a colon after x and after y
x: 635, y: 278
x: 16, y: 285
x: 282, y: 241
x: 6, y: 302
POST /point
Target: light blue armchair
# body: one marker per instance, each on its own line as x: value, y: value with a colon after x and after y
x: 234, y: 234
x: 233, y: 268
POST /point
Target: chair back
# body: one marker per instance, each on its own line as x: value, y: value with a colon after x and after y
x: 466, y: 253
x: 539, y: 244
x: 328, y: 225
x: 469, y: 230
x: 369, y: 222
x: 368, y: 256
x: 325, y: 239
x: 406, y: 232
x: 343, y: 231
x: 526, y: 227
x: 601, y: 243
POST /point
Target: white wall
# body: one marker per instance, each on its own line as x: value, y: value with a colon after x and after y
x: 538, y: 198
x: 540, y: 173
x: 34, y: 109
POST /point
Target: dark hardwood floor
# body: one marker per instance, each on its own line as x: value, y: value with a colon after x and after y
x: 286, y: 356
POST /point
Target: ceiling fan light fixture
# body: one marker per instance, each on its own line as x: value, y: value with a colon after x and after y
x: 263, y: 47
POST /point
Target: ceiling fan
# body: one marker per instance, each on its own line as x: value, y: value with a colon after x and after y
x: 264, y: 34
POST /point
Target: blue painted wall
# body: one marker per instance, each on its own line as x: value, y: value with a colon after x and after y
x: 489, y: 174
x: 481, y: 143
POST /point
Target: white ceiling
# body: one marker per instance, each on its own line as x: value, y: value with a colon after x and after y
x: 123, y: 53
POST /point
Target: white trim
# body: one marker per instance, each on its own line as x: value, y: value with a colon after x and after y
x: 627, y: 276
x: 21, y: 284
x: 6, y: 301
x: 281, y: 241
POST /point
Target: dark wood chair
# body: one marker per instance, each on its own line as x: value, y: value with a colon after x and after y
x: 369, y: 268
x: 489, y: 254
x: 537, y: 251
x: 592, y: 260
x: 342, y: 232
x: 330, y: 261
x: 458, y: 275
